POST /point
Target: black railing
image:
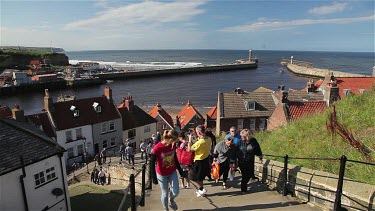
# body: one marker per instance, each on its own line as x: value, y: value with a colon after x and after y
x: 143, y: 189
x: 343, y: 161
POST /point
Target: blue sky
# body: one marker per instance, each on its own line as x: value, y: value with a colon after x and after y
x: 127, y: 25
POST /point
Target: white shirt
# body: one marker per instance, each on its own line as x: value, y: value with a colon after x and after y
x: 101, y: 173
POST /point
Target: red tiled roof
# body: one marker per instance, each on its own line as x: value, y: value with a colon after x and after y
x: 186, y: 114
x: 42, y: 119
x: 354, y: 84
x: 298, y: 110
x: 212, y: 113
x: 64, y: 119
x: 155, y: 111
x: 318, y: 83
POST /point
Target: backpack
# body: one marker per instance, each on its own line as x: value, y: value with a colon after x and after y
x: 184, y: 157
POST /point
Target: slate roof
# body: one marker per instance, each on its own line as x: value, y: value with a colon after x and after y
x: 156, y: 111
x: 298, y: 110
x: 354, y: 84
x: 64, y: 119
x: 23, y: 139
x: 186, y: 114
x: 212, y: 113
x: 297, y: 95
x: 42, y: 120
x: 233, y: 105
x: 138, y: 117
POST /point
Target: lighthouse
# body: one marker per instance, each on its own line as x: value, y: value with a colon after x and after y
x: 250, y: 54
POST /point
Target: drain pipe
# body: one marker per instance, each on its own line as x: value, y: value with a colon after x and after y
x: 63, y: 181
x: 23, y: 185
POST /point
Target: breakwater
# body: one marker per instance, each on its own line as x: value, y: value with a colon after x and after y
x: 198, y: 69
x: 318, y: 72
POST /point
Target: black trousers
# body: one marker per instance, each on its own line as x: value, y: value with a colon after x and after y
x: 247, y: 171
x: 224, y: 170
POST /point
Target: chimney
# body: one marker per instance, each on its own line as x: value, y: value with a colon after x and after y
x: 189, y: 103
x: 159, y: 106
x: 373, y: 71
x: 281, y: 88
x: 331, y: 93
x: 284, y: 99
x: 129, y: 103
x: 250, y: 55
x: 239, y: 91
x: 18, y: 114
x: 48, y: 101
x: 108, y: 93
x: 310, y: 86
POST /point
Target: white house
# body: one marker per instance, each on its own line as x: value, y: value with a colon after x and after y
x: 32, y: 170
x: 137, y: 125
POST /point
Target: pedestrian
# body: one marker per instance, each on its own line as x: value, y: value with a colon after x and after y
x: 101, y: 176
x: 122, y: 152
x: 143, y: 148
x: 210, y: 134
x: 154, y: 140
x: 149, y: 150
x: 185, y: 159
x: 103, y: 155
x: 96, y: 178
x: 164, y: 172
x: 130, y: 153
x: 224, y: 154
x: 201, y: 147
x: 158, y: 137
x: 93, y: 175
x: 237, y: 137
x: 248, y: 148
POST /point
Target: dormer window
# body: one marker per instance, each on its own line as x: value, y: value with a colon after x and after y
x: 346, y: 92
x: 97, y: 107
x: 75, y: 111
x: 249, y: 105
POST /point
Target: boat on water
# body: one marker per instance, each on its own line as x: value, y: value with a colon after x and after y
x: 109, y: 81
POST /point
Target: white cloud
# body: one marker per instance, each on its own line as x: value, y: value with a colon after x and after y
x: 283, y: 25
x: 335, y: 7
x: 137, y: 13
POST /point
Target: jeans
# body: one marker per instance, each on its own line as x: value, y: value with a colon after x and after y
x: 164, y: 182
x: 247, y: 171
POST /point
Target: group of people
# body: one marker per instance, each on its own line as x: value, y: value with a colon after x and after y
x: 98, y: 176
x: 172, y: 153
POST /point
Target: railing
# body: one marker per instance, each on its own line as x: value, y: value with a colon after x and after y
x: 343, y: 160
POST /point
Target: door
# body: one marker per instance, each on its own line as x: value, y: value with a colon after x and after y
x: 96, y: 148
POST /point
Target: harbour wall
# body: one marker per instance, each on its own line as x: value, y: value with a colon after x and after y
x: 200, y: 69
x: 318, y: 72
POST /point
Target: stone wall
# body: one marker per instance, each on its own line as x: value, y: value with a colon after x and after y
x: 316, y: 187
x: 317, y: 72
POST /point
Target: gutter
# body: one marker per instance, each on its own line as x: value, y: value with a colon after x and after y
x: 63, y: 181
x: 23, y: 185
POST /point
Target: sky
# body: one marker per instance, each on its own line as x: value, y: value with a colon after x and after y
x: 138, y: 25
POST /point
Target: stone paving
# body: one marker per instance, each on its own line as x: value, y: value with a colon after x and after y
x: 259, y: 197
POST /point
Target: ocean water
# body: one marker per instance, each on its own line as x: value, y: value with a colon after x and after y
x: 201, y: 89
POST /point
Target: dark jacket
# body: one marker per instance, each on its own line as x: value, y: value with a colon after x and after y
x: 246, y: 152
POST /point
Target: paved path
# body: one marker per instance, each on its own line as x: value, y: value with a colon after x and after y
x: 259, y: 197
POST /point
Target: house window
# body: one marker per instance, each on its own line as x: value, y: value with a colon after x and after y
x: 76, y: 113
x: 105, y: 144
x: 147, y: 128
x: 249, y: 105
x: 346, y: 92
x: 112, y: 125
x: 80, y: 149
x: 362, y: 91
x: 131, y: 133
x: 252, y: 124
x: 262, y: 124
x: 68, y: 135
x: 70, y: 152
x: 98, y: 109
x: 39, y: 178
x: 113, y: 141
x: 104, y: 127
x: 164, y: 127
x: 50, y: 173
x: 79, y: 133
x: 240, y: 124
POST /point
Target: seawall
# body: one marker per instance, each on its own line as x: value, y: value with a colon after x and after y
x: 200, y: 69
x: 318, y: 72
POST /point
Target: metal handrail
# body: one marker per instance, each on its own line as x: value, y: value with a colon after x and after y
x: 340, y: 182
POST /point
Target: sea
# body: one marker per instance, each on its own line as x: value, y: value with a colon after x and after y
x: 174, y: 91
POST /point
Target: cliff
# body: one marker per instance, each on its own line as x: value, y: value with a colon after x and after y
x: 19, y: 59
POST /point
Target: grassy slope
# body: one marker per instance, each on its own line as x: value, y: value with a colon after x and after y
x: 310, y: 138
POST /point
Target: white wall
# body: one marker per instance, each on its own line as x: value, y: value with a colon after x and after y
x: 86, y: 132
x: 140, y: 134
x: 11, y: 197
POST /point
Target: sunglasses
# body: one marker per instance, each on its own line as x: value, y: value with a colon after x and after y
x: 229, y: 139
x: 232, y: 131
